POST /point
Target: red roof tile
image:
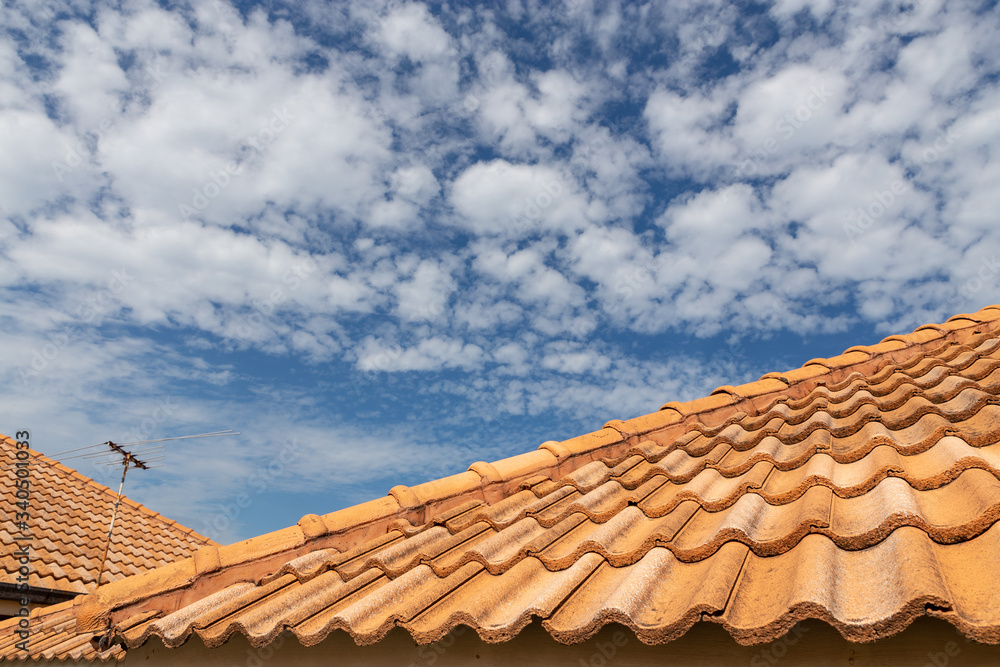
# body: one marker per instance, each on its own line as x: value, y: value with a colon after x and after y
x: 862, y: 489
x: 68, y: 521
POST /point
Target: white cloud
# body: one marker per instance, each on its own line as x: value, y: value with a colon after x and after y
x: 90, y: 79
x: 425, y: 295
x: 698, y: 223
x: 393, y: 214
x: 514, y: 356
x: 416, y: 183
x: 574, y: 360
x: 819, y: 9
x: 558, y: 108
x: 31, y: 144
x: 488, y: 310
x: 788, y: 114
x: 411, y: 31
x: 427, y: 355
x: 503, y: 199
x: 854, y: 214
x: 535, y: 282
x: 688, y: 132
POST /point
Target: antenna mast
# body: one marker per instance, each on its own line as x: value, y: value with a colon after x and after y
x: 129, y: 460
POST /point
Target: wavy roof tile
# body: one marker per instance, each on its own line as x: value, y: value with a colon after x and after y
x: 862, y: 490
x: 69, y: 515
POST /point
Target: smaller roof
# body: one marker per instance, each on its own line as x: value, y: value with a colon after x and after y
x: 68, y: 523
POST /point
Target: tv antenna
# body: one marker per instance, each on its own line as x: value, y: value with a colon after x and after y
x: 135, y: 454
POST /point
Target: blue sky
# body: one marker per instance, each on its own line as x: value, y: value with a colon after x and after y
x: 386, y: 240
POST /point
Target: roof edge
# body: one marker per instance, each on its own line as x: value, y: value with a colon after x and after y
x: 490, y: 481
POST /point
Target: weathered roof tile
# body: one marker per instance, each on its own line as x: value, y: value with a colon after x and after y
x: 862, y: 489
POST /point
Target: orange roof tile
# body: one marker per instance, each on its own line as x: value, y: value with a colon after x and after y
x: 792, y: 497
x: 68, y: 523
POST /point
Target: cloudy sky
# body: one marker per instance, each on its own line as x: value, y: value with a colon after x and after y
x: 386, y: 240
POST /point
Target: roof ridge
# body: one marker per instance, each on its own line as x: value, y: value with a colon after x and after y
x: 88, y: 481
x: 493, y: 481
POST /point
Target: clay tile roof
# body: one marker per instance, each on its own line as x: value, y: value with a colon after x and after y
x: 792, y: 497
x: 68, y: 522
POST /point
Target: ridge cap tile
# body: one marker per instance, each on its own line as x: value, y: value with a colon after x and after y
x: 882, y: 347
x: 914, y: 338
x: 660, y: 420
x: 843, y: 360
x: 699, y: 405
x: 487, y: 473
x: 405, y: 496
x: 990, y: 312
x: 958, y: 324
x: 560, y: 451
x: 589, y: 442
x: 798, y: 375
x: 760, y: 387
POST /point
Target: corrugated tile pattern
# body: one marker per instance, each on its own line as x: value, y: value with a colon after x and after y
x: 54, y: 637
x: 865, y: 502
x: 863, y: 490
x: 69, y: 516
